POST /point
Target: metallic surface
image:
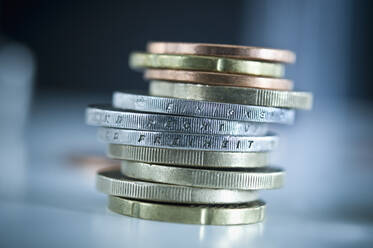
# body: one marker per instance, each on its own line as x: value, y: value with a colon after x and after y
x: 103, y: 115
x: 204, y: 63
x: 235, y: 95
x: 221, y: 143
x: 231, y: 51
x: 112, y: 182
x: 240, y: 179
x: 233, y: 214
x: 223, y: 79
x: 189, y: 158
x: 237, y: 112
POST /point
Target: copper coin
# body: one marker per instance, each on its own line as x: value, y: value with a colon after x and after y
x: 223, y: 79
x: 232, y: 51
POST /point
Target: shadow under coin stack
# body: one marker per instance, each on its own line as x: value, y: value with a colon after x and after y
x: 196, y: 149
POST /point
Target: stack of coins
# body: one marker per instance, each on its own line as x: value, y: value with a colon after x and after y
x: 196, y: 149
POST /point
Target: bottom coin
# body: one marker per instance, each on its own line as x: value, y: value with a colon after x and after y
x: 232, y: 214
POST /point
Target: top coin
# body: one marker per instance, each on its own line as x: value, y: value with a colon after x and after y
x: 230, y: 51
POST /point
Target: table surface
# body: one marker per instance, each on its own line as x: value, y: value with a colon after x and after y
x: 48, y: 196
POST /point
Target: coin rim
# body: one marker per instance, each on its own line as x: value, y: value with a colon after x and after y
x: 223, y: 50
x: 227, y: 179
x: 189, y: 158
x: 233, y: 95
x: 141, y: 60
x: 140, y: 121
x: 112, y: 182
x: 214, y: 78
x: 129, y: 137
x: 188, y: 214
x: 159, y: 104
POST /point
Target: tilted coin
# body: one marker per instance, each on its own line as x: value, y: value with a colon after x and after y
x: 187, y: 141
x: 194, y: 108
x: 228, y: 214
x: 240, y: 179
x: 231, y: 51
x: 204, y: 63
x: 189, y: 158
x: 237, y: 95
x: 112, y: 182
x: 102, y: 115
x: 223, y: 79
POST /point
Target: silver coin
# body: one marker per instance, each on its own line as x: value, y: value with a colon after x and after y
x: 196, y: 108
x: 202, y: 214
x: 189, y: 158
x: 241, y: 179
x: 112, y: 182
x: 101, y: 115
x: 230, y: 94
x: 224, y: 143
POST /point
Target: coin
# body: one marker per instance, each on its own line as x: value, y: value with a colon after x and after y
x: 240, y: 52
x: 224, y: 79
x: 140, y: 60
x: 232, y: 214
x: 236, y: 112
x: 189, y: 158
x: 185, y: 141
x: 112, y: 182
x: 103, y: 115
x: 240, y: 179
x: 235, y: 95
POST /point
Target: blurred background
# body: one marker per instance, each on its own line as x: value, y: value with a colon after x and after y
x: 56, y: 57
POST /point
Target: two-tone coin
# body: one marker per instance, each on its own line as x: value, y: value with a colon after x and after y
x: 236, y: 95
x: 188, y: 158
x: 219, y: 143
x: 220, y: 50
x: 240, y: 179
x: 227, y: 214
x: 106, y: 116
x: 193, y: 108
x: 112, y: 182
x: 222, y: 79
x: 140, y: 60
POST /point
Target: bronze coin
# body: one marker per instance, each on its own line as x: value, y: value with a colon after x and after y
x: 232, y: 51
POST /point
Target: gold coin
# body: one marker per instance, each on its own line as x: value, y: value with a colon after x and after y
x: 223, y: 79
x: 204, y: 63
